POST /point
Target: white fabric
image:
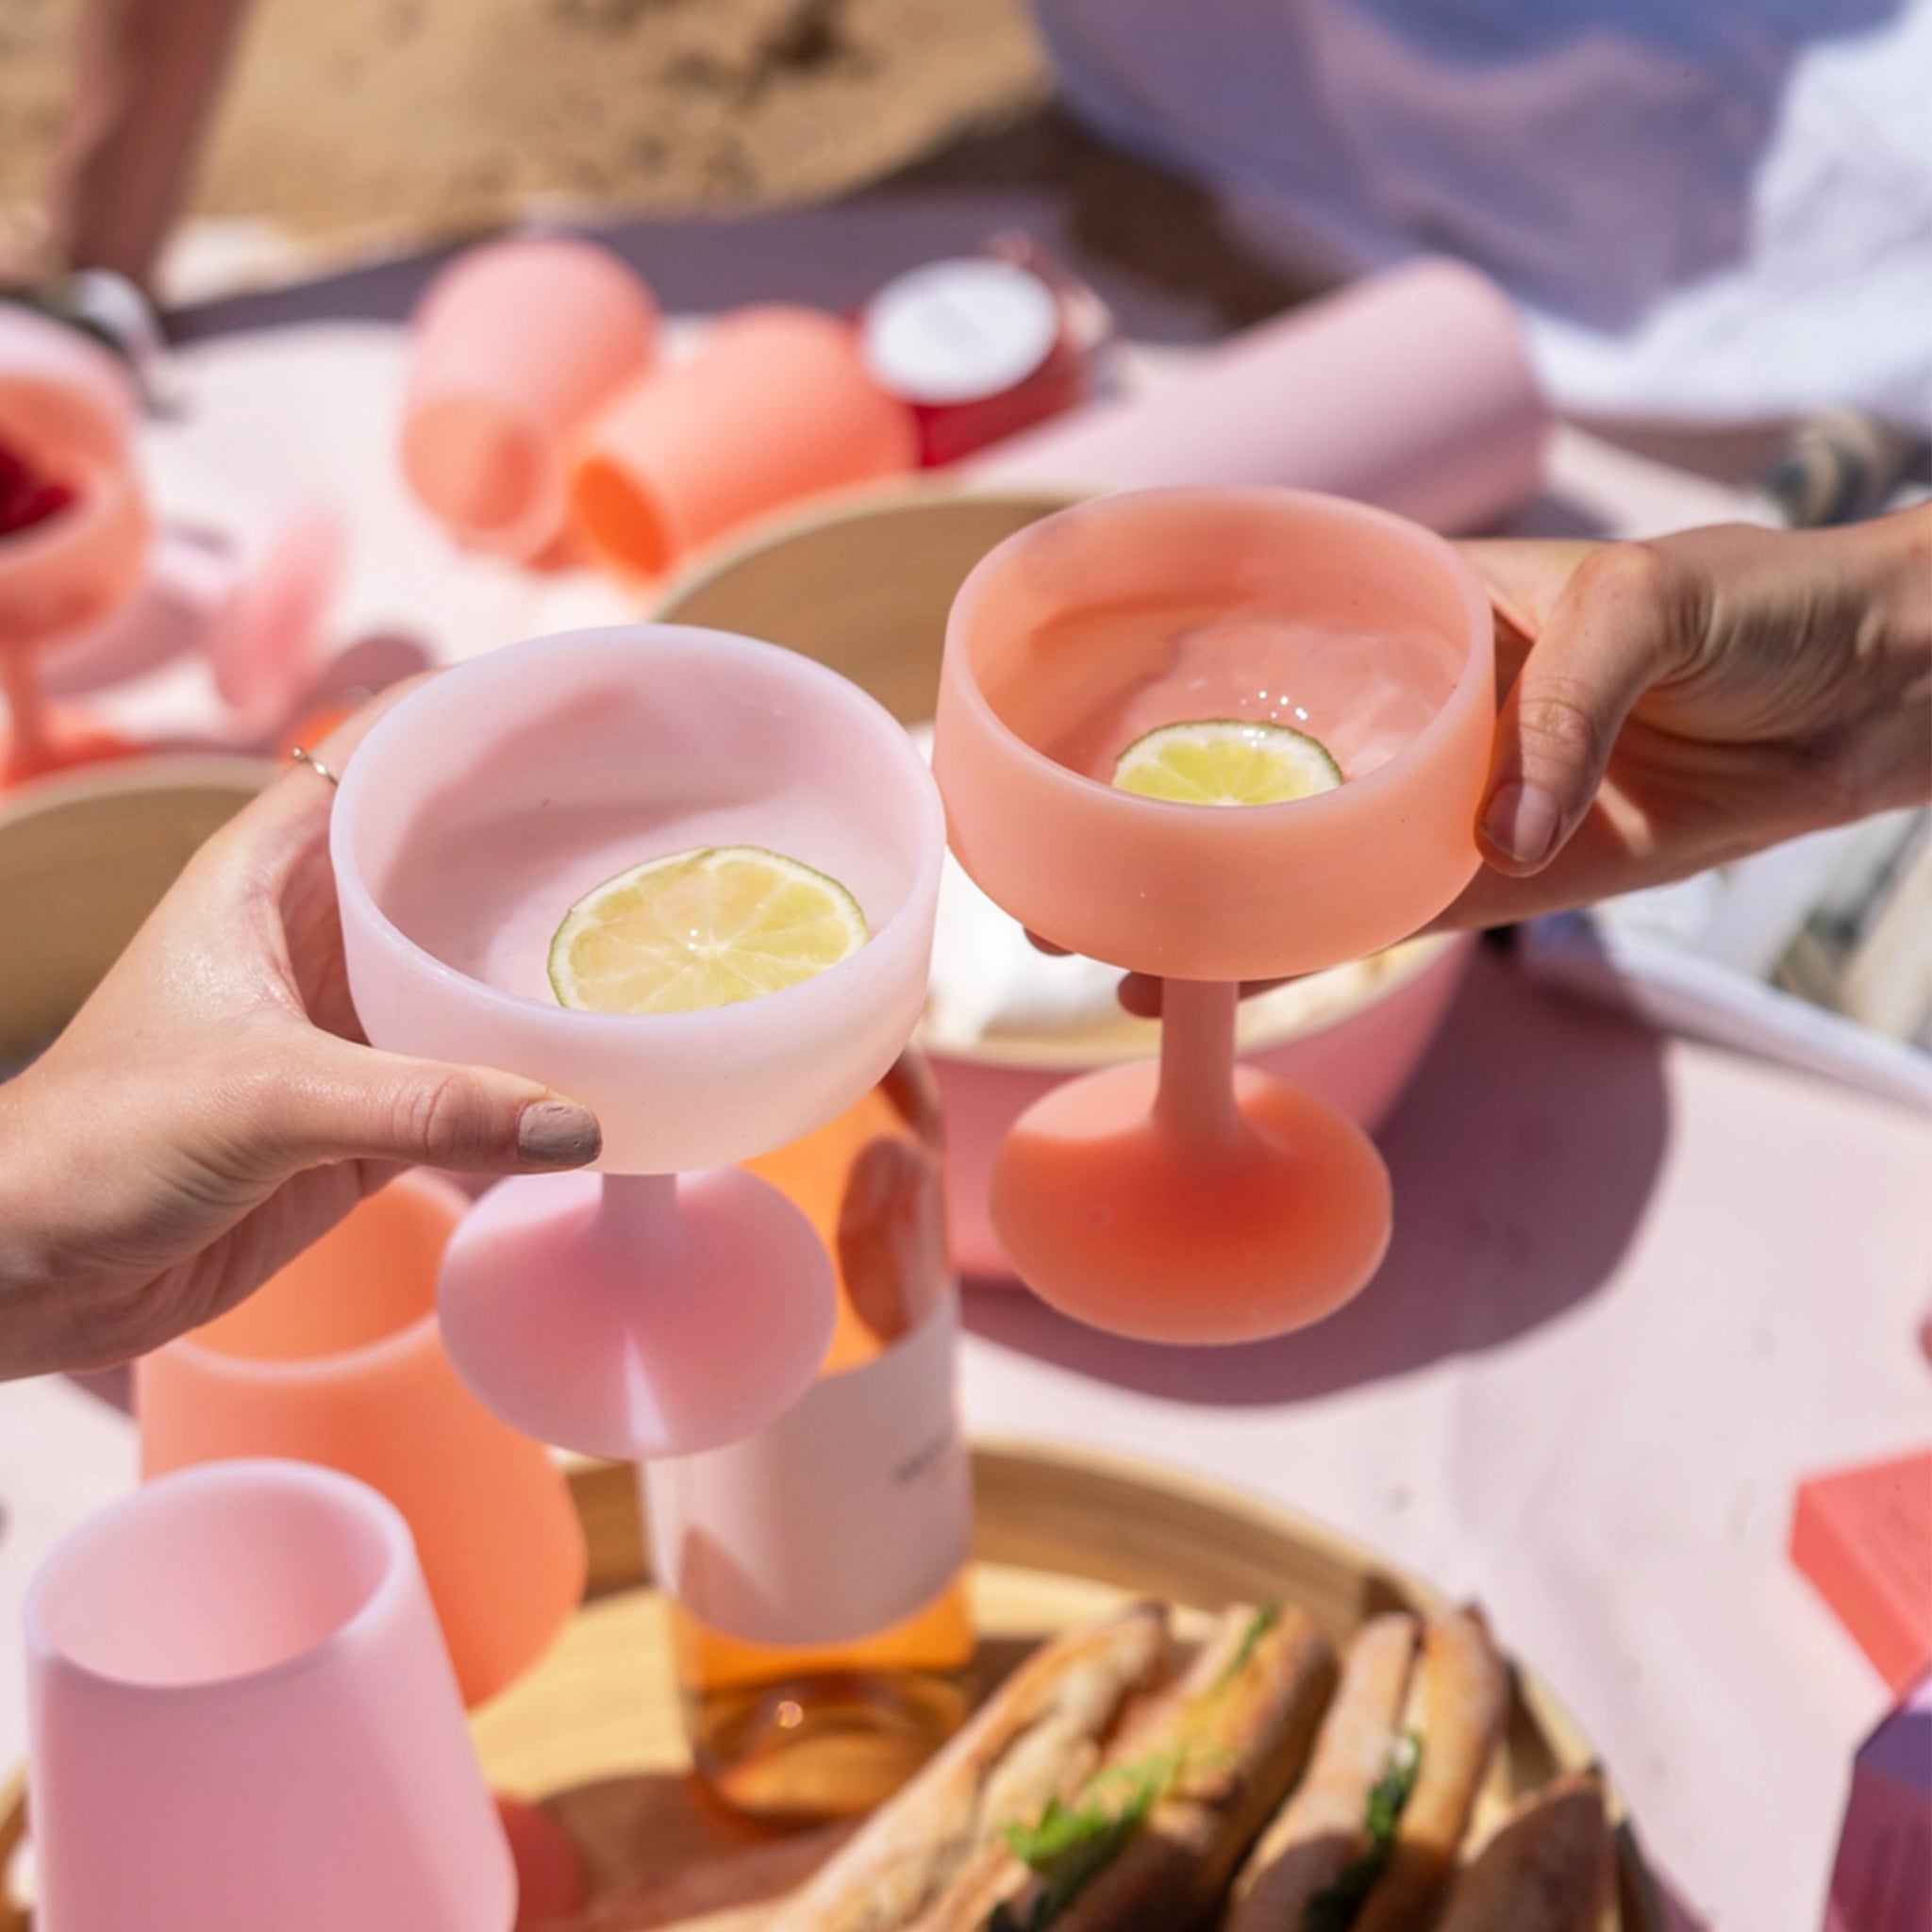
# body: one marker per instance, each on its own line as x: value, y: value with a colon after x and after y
x: 1713, y: 209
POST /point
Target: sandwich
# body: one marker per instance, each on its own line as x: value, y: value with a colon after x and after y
x: 1369, y: 1840
x: 1032, y: 1746
x: 1100, y: 1789
x: 1551, y: 1867
x: 1156, y: 1834
x: 1105, y: 1788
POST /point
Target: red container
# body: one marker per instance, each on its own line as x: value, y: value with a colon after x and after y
x: 980, y: 347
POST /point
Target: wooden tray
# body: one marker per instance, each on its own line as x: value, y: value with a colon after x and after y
x: 1060, y: 1537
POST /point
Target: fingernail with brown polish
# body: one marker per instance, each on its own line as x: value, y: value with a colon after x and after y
x: 1521, y: 822
x: 556, y: 1133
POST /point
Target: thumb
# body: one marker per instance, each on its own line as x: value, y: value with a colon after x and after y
x: 1617, y: 626
x: 352, y: 1103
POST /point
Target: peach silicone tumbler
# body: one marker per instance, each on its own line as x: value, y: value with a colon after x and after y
x: 242, y: 1716
x: 338, y: 1359
x: 517, y: 345
x: 777, y: 406
x: 1209, y: 1203
x: 67, y: 411
x: 654, y: 1311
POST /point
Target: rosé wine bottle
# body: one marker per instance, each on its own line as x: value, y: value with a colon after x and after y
x: 817, y: 1569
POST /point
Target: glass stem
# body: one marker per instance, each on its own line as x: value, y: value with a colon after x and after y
x: 31, y: 745
x: 639, y: 1213
x: 1196, y: 1098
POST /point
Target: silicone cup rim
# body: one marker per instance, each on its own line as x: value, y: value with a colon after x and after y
x: 260, y: 1473
x: 1475, y: 679
x: 594, y: 467
x: 389, y: 737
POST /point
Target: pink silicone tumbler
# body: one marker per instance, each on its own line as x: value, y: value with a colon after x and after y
x: 642, y: 1314
x: 242, y: 1716
x: 775, y: 406
x: 1412, y: 389
x: 1211, y: 1204
x: 516, y: 346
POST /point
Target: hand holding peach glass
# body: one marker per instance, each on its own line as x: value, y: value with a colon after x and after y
x: 1677, y: 704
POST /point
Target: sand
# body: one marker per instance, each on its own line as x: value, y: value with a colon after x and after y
x: 363, y: 120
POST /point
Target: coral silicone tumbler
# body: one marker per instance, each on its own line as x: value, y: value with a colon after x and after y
x: 516, y: 346
x: 338, y: 1359
x: 242, y: 1716
x: 657, y: 1311
x: 775, y: 406
x: 1209, y: 1204
x: 67, y: 411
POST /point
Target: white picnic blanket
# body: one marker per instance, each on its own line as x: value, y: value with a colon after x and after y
x: 1713, y: 209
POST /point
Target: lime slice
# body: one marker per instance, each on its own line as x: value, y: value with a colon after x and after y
x: 708, y: 927
x: 1227, y: 762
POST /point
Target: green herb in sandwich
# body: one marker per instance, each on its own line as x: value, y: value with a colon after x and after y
x: 1336, y: 1908
x: 1263, y: 1620
x: 1072, y: 1844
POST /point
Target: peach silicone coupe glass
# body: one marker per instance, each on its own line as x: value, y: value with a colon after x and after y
x: 1199, y: 1202
x: 240, y: 1715
x: 672, y: 1303
x: 338, y: 1359
x: 75, y: 545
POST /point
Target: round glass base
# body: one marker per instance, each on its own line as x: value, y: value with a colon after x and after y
x: 637, y: 1316
x: 1114, y: 1217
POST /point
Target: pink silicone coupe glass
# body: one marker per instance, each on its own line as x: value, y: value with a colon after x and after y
x: 67, y: 414
x: 658, y: 1310
x: 242, y: 1716
x: 1203, y: 1203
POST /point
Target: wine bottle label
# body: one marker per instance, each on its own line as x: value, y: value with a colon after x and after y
x: 842, y: 1518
